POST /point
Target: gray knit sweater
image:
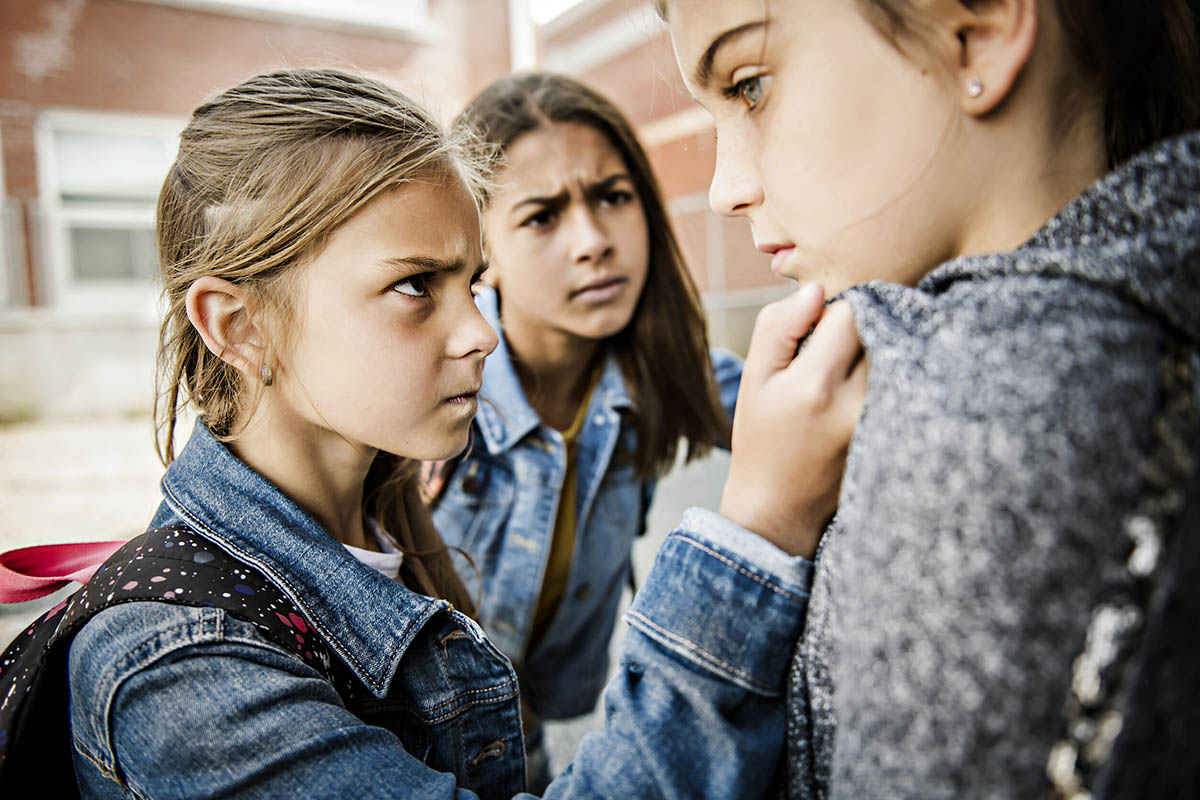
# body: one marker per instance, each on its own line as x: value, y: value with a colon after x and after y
x: 1008, y: 602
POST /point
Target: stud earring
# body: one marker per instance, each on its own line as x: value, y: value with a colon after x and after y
x: 266, y: 375
x: 974, y: 87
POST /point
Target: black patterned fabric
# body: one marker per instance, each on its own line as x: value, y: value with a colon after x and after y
x: 172, y: 565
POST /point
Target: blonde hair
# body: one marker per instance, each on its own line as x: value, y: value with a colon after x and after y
x: 266, y: 171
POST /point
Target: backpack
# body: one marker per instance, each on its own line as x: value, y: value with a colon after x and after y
x: 173, y: 565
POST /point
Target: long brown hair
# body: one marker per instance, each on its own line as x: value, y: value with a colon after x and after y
x: 663, y: 351
x: 266, y: 171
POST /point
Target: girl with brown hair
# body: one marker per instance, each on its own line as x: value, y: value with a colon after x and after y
x: 602, y: 373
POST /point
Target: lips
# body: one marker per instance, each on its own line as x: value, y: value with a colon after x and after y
x: 464, y: 397
x: 602, y: 288
x: 779, y: 255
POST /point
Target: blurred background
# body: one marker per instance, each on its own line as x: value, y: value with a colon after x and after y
x: 92, y: 96
x: 94, y: 92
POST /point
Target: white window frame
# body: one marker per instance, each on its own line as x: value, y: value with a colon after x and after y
x: 405, y: 20
x: 568, y: 11
x: 603, y: 43
x: 66, y: 293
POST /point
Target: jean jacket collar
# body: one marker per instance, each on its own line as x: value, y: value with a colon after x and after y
x: 367, y: 619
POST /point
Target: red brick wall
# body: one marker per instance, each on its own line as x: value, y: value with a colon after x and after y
x: 140, y: 58
x: 134, y: 57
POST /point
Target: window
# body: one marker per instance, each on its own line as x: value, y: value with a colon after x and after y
x: 406, y: 18
x: 543, y: 11
x: 100, y: 175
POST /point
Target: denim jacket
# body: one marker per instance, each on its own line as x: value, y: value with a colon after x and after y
x: 181, y: 701
x: 500, y: 507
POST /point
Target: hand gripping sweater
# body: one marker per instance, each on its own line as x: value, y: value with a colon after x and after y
x: 1008, y: 602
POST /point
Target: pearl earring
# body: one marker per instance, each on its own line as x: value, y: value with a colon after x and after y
x: 266, y: 375
x: 974, y: 87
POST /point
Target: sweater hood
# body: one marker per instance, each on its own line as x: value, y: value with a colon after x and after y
x: 1135, y: 233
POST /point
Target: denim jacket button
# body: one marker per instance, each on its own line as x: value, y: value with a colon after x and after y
x: 470, y: 482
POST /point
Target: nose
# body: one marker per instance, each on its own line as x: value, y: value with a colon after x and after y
x: 472, y: 335
x: 735, y: 187
x: 589, y: 239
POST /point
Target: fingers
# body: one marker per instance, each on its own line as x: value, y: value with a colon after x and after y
x: 831, y: 370
x: 833, y: 346
x: 778, y: 329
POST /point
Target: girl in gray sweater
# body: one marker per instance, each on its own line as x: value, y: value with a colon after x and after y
x: 1007, y: 195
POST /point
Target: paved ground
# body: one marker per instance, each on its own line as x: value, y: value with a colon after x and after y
x: 73, y: 481
x: 98, y: 479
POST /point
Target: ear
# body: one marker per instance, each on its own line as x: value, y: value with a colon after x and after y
x: 219, y: 312
x: 995, y: 43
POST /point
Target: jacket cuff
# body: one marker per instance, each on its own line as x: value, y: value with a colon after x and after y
x: 725, y: 600
x: 712, y: 526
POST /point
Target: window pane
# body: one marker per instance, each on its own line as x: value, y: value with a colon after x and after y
x: 110, y: 167
x: 542, y: 11
x: 104, y: 254
x: 394, y: 14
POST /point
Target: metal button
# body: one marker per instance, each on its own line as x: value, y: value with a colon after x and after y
x: 470, y: 482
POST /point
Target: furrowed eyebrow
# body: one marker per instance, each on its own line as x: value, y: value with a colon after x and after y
x: 417, y: 264
x: 704, y: 67
x: 601, y: 187
x: 553, y: 201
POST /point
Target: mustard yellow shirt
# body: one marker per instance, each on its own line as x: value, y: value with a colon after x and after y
x: 562, y: 546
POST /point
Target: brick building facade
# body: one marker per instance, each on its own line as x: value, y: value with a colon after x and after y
x: 93, y: 93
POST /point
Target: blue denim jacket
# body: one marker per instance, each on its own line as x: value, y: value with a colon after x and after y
x: 500, y: 507
x: 178, y: 701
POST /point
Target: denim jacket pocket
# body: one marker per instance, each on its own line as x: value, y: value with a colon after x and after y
x: 454, y: 703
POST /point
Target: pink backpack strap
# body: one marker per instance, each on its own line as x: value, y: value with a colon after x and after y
x: 28, y: 573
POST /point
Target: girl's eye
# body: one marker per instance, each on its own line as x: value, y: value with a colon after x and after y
x: 748, y: 90
x: 618, y: 197
x: 416, y: 286
x: 539, y: 220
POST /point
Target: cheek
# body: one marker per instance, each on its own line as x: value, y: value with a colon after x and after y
x: 631, y: 233
x: 857, y: 150
x: 640, y: 253
x: 535, y: 262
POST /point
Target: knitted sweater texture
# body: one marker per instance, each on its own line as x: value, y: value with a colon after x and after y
x: 1007, y: 602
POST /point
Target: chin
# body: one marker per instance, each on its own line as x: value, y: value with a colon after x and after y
x: 611, y: 326
x: 431, y: 448
x: 450, y: 448
x: 795, y: 272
